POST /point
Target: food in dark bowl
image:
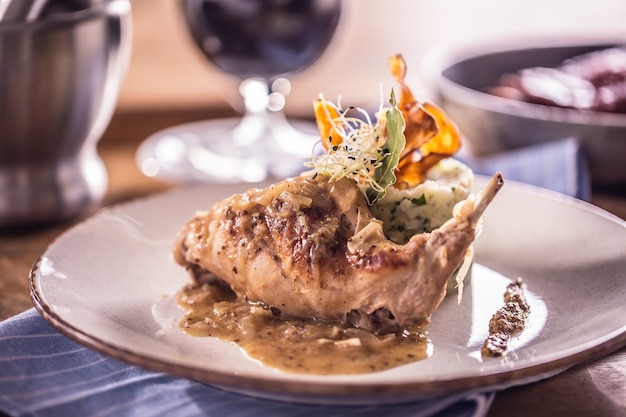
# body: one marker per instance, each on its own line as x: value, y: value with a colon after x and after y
x: 507, y: 118
x: 592, y: 81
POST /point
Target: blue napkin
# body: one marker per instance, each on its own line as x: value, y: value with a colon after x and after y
x: 44, y: 373
x: 559, y: 166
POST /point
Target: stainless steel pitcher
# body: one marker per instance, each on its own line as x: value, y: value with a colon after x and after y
x: 59, y: 82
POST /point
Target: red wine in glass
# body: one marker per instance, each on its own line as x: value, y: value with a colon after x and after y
x: 262, y: 38
x: 260, y: 42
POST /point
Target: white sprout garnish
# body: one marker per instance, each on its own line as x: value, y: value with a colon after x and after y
x: 360, y: 151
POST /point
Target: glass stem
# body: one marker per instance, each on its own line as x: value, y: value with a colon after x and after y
x: 254, y: 125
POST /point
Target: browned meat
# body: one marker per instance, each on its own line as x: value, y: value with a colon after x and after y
x: 311, y: 248
x: 591, y: 81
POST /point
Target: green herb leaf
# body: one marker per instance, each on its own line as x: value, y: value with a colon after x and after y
x: 421, y: 201
x: 384, y: 175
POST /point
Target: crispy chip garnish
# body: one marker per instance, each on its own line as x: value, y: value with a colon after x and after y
x: 325, y: 113
x: 430, y: 135
x: 447, y: 140
x: 421, y: 127
x: 397, y: 66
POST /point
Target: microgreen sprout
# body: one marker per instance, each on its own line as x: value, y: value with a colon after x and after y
x: 361, y: 152
x: 358, y: 154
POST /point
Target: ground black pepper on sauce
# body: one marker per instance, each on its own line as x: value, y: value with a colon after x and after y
x: 508, y: 321
x: 293, y: 345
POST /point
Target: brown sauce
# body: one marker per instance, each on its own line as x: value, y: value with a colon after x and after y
x: 508, y: 321
x: 291, y: 344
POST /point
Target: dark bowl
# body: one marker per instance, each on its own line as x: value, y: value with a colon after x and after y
x: 492, y: 124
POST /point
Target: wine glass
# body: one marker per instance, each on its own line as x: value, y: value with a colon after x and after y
x: 261, y: 42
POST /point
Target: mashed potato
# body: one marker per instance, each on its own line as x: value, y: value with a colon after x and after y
x: 426, y: 207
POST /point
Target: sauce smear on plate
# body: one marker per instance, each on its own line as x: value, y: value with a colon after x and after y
x: 508, y: 321
x: 293, y: 344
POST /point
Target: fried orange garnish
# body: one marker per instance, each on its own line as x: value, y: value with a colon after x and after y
x: 429, y: 137
x: 430, y: 134
x: 325, y: 113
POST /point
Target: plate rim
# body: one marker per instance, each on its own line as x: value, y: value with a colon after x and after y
x: 422, y: 389
x: 312, y: 391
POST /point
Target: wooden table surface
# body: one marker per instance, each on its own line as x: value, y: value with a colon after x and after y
x: 596, y: 388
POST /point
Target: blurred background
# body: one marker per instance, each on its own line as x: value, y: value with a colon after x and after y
x: 167, y: 71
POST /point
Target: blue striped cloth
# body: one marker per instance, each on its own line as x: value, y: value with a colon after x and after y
x: 559, y: 166
x: 44, y: 373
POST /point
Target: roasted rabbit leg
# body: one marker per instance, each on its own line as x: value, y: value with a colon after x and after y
x: 308, y: 247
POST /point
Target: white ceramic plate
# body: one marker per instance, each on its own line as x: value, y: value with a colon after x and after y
x: 108, y: 283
